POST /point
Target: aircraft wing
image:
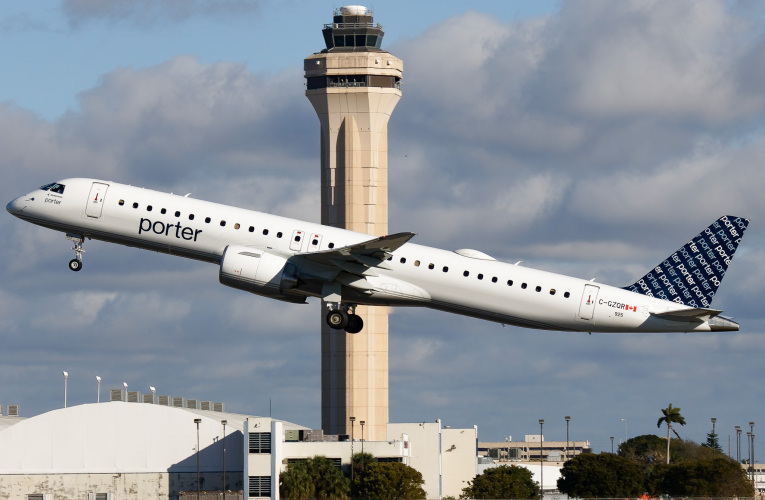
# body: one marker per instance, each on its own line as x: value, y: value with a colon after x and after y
x: 354, y: 265
x: 371, y: 253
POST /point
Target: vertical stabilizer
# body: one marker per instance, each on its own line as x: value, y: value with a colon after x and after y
x: 692, y: 275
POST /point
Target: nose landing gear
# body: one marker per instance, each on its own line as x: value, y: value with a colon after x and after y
x: 76, y: 263
x: 340, y: 318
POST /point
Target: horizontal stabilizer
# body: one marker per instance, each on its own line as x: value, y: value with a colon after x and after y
x: 696, y: 314
x: 692, y: 275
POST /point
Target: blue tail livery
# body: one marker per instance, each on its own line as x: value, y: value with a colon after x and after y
x: 692, y: 274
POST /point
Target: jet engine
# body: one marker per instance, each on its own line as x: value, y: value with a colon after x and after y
x: 259, y: 272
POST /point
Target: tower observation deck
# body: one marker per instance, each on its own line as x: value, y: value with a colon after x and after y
x: 354, y: 86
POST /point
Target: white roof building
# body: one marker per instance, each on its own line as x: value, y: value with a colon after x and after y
x: 137, y: 451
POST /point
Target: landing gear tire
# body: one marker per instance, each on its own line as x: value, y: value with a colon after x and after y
x: 337, y: 319
x: 355, y: 323
x: 75, y: 264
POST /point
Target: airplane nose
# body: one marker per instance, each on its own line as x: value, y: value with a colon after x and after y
x: 15, y: 207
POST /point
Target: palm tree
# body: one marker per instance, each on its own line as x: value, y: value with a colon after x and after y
x: 671, y: 416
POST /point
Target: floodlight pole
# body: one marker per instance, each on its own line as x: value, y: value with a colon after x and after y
x: 66, y: 378
x: 224, y: 422
x: 568, y: 419
x: 541, y: 455
x: 197, y: 421
x: 353, y: 420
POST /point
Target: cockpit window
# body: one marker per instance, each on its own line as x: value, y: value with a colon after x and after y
x: 53, y: 187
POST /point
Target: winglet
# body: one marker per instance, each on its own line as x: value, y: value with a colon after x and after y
x: 692, y: 275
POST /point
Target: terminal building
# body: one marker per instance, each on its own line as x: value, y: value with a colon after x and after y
x: 131, y: 450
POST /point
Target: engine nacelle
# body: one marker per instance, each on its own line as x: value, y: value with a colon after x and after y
x: 259, y: 272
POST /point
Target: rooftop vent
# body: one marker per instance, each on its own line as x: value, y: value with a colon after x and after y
x: 14, y: 410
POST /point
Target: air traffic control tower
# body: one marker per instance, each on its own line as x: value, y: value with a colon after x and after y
x: 354, y: 85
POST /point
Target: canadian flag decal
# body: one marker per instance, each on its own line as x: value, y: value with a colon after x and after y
x: 631, y: 308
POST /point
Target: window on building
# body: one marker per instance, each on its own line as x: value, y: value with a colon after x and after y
x: 260, y: 442
x: 260, y: 486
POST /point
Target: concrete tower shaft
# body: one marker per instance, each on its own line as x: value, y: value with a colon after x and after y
x: 354, y: 86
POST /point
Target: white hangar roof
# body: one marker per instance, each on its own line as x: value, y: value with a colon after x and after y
x: 119, y: 437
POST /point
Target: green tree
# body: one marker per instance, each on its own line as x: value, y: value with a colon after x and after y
x: 706, y: 477
x: 647, y: 450
x: 315, y: 477
x: 601, y: 475
x: 387, y: 481
x: 502, y: 482
x: 712, y: 441
x: 671, y: 416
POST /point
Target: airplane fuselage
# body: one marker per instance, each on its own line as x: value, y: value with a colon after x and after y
x: 463, y: 282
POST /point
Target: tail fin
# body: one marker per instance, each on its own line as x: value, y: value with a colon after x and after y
x: 692, y: 275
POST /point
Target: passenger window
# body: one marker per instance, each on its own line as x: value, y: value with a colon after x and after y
x: 163, y: 211
x: 466, y: 273
x: 207, y: 220
x: 191, y: 216
x: 122, y: 202
x: 480, y: 276
x: 331, y: 245
x: 509, y: 282
x: 494, y: 279
x: 445, y: 269
x: 177, y: 214
x: 148, y: 208
x: 552, y: 291
x: 403, y: 260
x: 279, y: 234
x: 416, y: 263
x: 135, y: 205
x: 315, y: 242
x: 523, y: 285
x: 431, y: 266
x: 566, y: 295
x: 222, y: 223
x: 297, y: 238
x: 538, y: 289
x: 236, y: 226
x: 265, y: 231
x: 252, y: 229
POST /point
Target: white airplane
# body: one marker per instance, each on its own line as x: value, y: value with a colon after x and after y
x: 290, y: 260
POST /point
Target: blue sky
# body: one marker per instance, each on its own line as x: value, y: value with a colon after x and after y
x: 591, y: 138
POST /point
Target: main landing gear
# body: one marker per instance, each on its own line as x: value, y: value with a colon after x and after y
x: 76, y: 263
x: 339, y: 318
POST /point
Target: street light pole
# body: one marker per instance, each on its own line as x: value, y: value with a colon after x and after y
x: 567, y: 418
x: 224, y: 422
x: 738, y: 444
x: 153, y: 394
x: 714, y: 435
x: 541, y: 455
x: 625, y: 428
x: 197, y: 421
x: 353, y: 420
x: 98, y: 395
x: 363, y: 461
x: 66, y: 378
x: 125, y: 385
x: 612, y: 445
